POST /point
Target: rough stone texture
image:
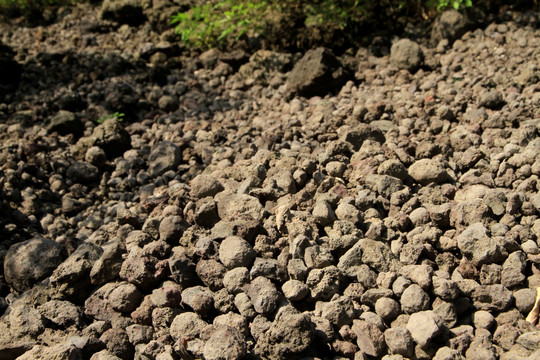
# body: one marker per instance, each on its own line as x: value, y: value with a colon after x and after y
x: 399, y: 341
x: 29, y: 262
x: 66, y: 122
x: 369, y: 338
x: 478, y: 246
x: 187, y: 324
x: 164, y: 156
x: 426, y: 171
x: 424, y: 326
x: 492, y: 297
x: 236, y: 252
x: 226, y: 343
x: 450, y: 25
x: 205, y: 185
x: 316, y: 73
x: 263, y: 295
x: 289, y: 334
x: 406, y: 54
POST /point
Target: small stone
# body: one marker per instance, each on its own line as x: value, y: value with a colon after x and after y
x: 483, y: 319
x: 235, y: 279
x: 168, y: 103
x: 446, y: 353
x: 492, y: 297
x: 164, y: 156
x: 125, y: 298
x: 295, y: 290
x: 205, y: 185
x: 323, y: 213
x: 425, y: 171
x: 491, y: 99
x: 525, y: 300
x: 475, y: 243
x: 263, y: 294
x: 236, y: 252
x: 81, y: 172
x: 387, y: 308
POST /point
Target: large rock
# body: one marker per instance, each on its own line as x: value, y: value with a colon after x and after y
x: 369, y: 338
x: 450, y: 25
x: 406, y: 54
x: 318, y: 72
x: 31, y: 261
x: 226, y: 343
x: 232, y: 206
x: 110, y: 136
x: 123, y: 11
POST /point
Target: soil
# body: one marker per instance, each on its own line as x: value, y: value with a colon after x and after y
x: 376, y: 202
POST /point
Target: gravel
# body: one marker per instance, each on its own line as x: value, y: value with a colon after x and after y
x: 268, y: 205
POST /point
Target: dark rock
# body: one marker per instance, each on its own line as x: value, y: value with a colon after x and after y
x: 31, y: 261
x: 318, y: 72
x: 117, y: 342
x: 66, y: 122
x: 450, y: 25
x: 123, y: 11
x: 10, y: 70
x: 492, y: 297
x: 164, y: 156
x: 81, y: 172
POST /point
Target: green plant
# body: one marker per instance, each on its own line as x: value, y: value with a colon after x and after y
x: 117, y: 116
x: 209, y: 25
x: 456, y: 4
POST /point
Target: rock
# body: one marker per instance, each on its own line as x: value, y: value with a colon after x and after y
x: 425, y: 171
x: 19, y: 330
x: 525, y: 300
x: 61, y: 313
x: 109, y: 264
x: 186, y: 325
x: 323, y: 213
x: 483, y: 319
x: 318, y: 72
x: 290, y: 334
x: 414, y: 299
x: 450, y: 25
x: 168, y: 103
x: 446, y: 353
x: 226, y: 343
x: 263, y: 294
x: 64, y: 123
x: 491, y: 99
x: 234, y: 205
x: 324, y: 283
x: 205, y: 185
x: 81, y: 172
x: 295, y: 290
x: 492, y: 297
x: 406, y: 54
x: 171, y: 228
x: 475, y: 243
x: 264, y: 64
x: 388, y: 309
x: 369, y: 338
x: 31, y: 261
x: 235, y: 279
x: 58, y: 351
x: 424, y: 326
x: 399, y: 341
x: 199, y: 298
x: 125, y: 298
x: 71, y: 279
x: 95, y: 156
x: 233, y: 320
x: 236, y: 252
x: 143, y: 270
x: 110, y: 136
x: 211, y: 272
x: 117, y: 342
x: 124, y: 11
x: 378, y: 256
x: 269, y: 268
x: 164, y: 156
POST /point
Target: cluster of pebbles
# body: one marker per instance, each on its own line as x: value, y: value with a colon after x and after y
x: 272, y: 206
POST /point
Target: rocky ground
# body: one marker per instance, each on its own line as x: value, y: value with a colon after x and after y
x: 268, y: 205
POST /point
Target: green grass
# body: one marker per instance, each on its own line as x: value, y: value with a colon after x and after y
x: 216, y: 22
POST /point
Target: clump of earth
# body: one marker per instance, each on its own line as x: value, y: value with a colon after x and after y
x: 270, y: 205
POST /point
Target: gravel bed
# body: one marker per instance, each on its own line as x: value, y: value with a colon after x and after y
x: 268, y: 205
